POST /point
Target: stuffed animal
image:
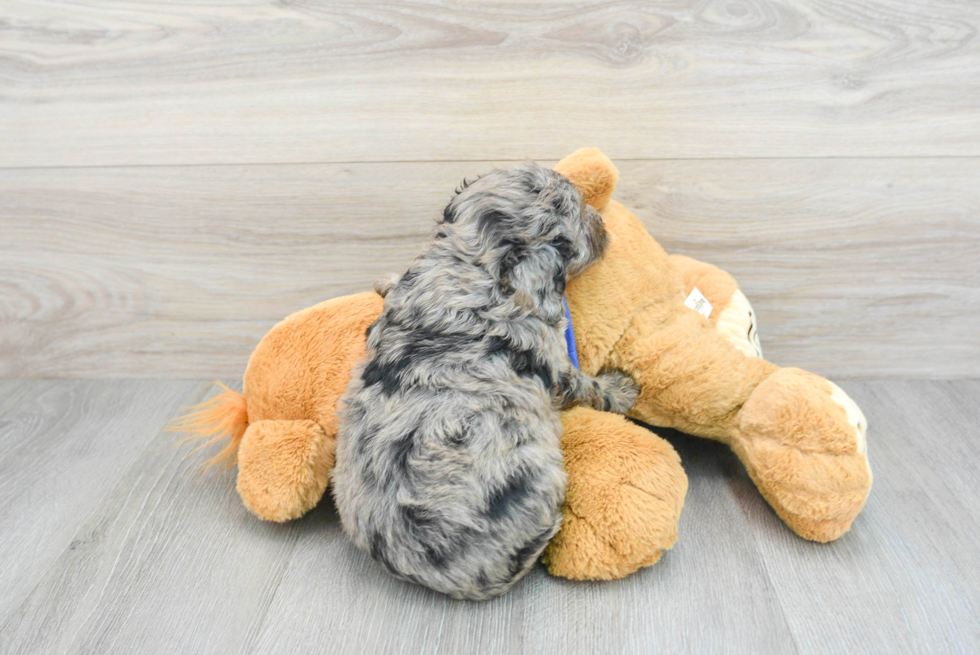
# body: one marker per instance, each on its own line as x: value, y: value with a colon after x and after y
x: 679, y: 327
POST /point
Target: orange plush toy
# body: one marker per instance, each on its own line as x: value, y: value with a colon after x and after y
x: 801, y: 438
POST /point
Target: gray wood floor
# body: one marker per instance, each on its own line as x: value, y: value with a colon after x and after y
x: 113, y: 543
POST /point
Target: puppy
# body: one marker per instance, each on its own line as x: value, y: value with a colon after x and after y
x: 448, y: 467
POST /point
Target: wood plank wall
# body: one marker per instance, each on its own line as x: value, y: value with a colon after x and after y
x: 176, y: 177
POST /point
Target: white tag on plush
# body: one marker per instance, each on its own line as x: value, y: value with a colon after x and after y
x: 698, y: 303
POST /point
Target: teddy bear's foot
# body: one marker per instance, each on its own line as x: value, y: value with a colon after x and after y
x: 802, y: 440
x: 625, y: 492
x: 283, y: 468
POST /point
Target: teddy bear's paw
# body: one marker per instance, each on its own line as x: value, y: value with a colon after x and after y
x: 738, y: 325
x: 283, y: 468
x: 625, y: 493
x: 617, y: 391
x: 803, y: 442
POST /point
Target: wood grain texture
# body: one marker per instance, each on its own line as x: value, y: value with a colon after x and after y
x: 63, y: 446
x: 857, y: 268
x: 169, y: 561
x: 905, y: 578
x: 201, y: 83
x: 357, y: 607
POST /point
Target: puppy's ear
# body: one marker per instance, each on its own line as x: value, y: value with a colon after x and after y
x: 534, y: 276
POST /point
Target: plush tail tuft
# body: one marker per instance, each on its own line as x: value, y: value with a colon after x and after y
x: 224, y: 416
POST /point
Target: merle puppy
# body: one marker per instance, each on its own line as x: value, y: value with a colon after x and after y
x: 448, y: 465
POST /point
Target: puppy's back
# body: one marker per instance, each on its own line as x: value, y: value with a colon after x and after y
x: 448, y: 468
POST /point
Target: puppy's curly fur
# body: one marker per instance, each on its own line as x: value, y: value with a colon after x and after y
x: 448, y: 465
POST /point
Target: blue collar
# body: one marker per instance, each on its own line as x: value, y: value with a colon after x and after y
x: 570, y: 335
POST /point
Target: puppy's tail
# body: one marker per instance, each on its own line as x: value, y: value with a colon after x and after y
x: 223, y: 417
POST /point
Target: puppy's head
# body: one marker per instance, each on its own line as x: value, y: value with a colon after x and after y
x: 530, y: 229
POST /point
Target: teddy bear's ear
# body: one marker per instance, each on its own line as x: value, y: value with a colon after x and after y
x: 593, y: 174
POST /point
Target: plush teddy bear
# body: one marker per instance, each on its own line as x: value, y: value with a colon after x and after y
x: 801, y: 438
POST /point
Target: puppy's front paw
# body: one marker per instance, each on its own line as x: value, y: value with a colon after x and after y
x: 617, y: 391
